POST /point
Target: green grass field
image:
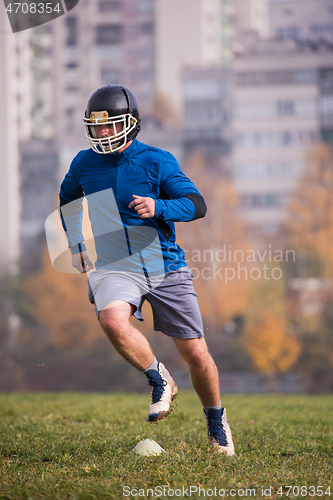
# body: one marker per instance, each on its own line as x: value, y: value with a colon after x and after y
x: 77, y: 446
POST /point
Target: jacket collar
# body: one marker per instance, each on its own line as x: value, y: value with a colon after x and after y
x: 118, y: 158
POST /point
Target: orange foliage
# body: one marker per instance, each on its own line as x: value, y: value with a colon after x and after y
x: 60, y: 303
x: 309, y: 224
x: 164, y: 110
x: 204, y: 240
x: 271, y: 348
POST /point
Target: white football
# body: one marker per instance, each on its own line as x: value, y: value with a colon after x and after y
x: 147, y: 447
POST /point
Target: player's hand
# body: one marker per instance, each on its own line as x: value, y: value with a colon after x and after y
x: 82, y: 262
x: 144, y: 206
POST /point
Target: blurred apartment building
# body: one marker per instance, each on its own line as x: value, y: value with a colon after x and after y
x: 207, y: 119
x: 277, y: 100
x: 141, y: 44
x: 98, y: 43
x: 208, y: 92
x: 310, y: 20
x: 37, y: 148
x: 190, y: 61
x: 24, y: 106
x: 250, y: 16
x: 52, y: 70
x: 282, y: 102
x: 9, y: 163
x: 26, y: 139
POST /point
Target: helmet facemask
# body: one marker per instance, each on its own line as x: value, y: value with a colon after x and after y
x: 111, y: 144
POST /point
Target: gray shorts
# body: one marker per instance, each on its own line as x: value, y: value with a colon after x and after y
x: 172, y: 298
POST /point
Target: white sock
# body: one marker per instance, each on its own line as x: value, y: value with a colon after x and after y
x: 153, y: 366
x: 217, y: 407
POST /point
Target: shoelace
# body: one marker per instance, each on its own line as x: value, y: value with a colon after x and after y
x: 216, y: 431
x: 158, y: 388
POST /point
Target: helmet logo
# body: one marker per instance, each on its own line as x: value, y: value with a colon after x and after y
x: 99, y: 116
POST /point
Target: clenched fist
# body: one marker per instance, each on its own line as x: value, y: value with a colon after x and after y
x: 82, y: 262
x: 144, y: 206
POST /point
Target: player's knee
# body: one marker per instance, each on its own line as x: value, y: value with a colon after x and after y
x: 194, y: 351
x: 113, y: 321
x: 199, y: 358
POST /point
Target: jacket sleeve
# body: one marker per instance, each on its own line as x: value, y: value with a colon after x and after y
x: 71, y: 210
x: 184, y: 202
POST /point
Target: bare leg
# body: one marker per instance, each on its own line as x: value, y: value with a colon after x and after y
x: 131, y: 344
x: 203, y: 370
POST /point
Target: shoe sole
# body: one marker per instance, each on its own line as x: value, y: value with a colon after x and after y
x: 222, y: 450
x: 162, y: 414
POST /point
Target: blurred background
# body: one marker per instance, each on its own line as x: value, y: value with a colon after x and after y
x: 241, y: 92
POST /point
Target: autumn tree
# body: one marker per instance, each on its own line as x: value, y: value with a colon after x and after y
x: 60, y: 302
x: 165, y: 112
x: 272, y: 349
x: 309, y: 229
x: 269, y: 339
x: 316, y: 359
x: 222, y: 294
x: 309, y: 223
x: 13, y: 306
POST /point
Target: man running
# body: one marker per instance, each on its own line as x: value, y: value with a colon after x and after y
x: 141, y: 190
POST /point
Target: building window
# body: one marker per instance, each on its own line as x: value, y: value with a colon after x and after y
x: 111, y: 77
x: 267, y: 170
x: 264, y: 139
x: 263, y: 200
x: 133, y: 30
x: 279, y: 77
x: 148, y: 50
x: 305, y: 76
x: 107, y: 52
x: 147, y: 6
x: 321, y: 30
x: 108, y: 33
x: 247, y: 110
x: 70, y: 119
x: 251, y: 78
x: 72, y: 65
x: 326, y: 105
x: 72, y: 30
x: 71, y: 88
x: 327, y: 135
x: 133, y: 7
x: 203, y: 113
x: 254, y: 109
x: 285, y: 108
x: 326, y: 80
x: 148, y: 73
x: 109, y: 6
x: 289, y: 32
x: 147, y: 28
x: 201, y: 89
x: 135, y: 75
x: 71, y: 54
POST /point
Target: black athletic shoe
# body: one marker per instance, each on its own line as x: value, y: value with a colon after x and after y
x: 164, y: 390
x: 219, y: 431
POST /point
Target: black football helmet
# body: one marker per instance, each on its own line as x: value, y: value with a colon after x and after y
x: 116, y: 106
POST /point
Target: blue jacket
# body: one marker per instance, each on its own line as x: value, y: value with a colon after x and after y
x: 144, y: 171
